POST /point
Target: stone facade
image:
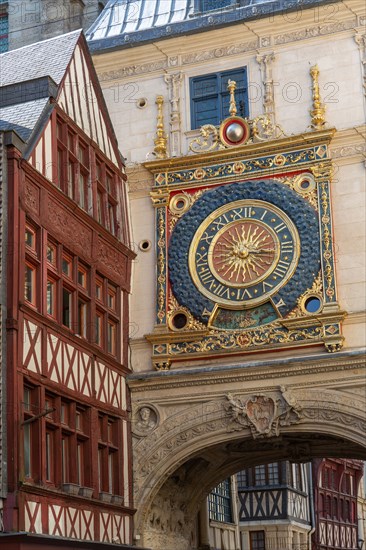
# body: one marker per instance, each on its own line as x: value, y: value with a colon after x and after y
x: 192, y: 443
x: 34, y: 20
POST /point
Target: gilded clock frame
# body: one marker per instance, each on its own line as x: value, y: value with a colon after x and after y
x: 289, y: 160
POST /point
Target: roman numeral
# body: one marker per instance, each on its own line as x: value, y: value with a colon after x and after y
x: 248, y: 212
x: 266, y: 286
x: 263, y: 215
x: 201, y: 259
x: 281, y: 268
x: 280, y: 227
x: 279, y: 304
x: 206, y: 276
x: 287, y: 246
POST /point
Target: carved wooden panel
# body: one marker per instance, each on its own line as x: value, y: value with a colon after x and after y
x: 68, y: 228
x: 31, y: 197
x: 74, y: 523
x: 111, y: 261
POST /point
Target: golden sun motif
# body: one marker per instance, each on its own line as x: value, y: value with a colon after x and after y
x: 243, y: 253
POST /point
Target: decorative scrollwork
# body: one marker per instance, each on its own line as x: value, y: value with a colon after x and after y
x: 208, y: 141
x: 263, y: 129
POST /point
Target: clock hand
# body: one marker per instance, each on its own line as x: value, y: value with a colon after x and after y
x: 261, y: 250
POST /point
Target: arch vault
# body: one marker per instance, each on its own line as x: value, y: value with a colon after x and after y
x: 207, y: 423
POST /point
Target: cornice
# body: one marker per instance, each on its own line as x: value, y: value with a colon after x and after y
x: 347, y: 146
x: 250, y: 371
x: 177, y: 53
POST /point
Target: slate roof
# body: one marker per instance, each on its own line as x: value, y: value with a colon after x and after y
x: 22, y: 117
x: 125, y: 23
x: 23, y: 73
x: 47, y: 58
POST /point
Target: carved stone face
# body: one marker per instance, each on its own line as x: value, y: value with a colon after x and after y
x: 145, y: 413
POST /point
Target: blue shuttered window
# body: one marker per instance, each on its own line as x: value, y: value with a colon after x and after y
x: 210, y: 98
x: 219, y: 503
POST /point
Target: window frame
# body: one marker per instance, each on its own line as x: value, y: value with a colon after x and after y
x: 254, y: 543
x: 219, y: 94
x: 108, y: 454
x: 220, y: 503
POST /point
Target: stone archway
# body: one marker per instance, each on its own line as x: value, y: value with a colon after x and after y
x: 207, y: 434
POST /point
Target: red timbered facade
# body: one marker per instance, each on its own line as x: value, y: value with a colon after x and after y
x: 68, y: 279
x: 336, y: 484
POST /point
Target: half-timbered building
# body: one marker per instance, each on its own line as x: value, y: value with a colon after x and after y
x: 336, y: 484
x: 68, y: 466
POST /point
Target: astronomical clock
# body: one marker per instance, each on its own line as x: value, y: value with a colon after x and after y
x: 244, y: 243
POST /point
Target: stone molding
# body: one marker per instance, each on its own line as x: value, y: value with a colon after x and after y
x: 236, y: 373
x: 177, y: 61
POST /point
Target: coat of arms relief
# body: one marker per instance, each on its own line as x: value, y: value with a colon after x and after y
x: 263, y: 414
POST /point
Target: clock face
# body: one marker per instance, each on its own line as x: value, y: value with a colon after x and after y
x: 247, y: 249
x: 243, y: 253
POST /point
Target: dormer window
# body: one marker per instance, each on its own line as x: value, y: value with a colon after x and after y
x: 204, y: 6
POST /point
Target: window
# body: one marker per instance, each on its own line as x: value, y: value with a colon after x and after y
x: 210, y: 5
x: 89, y: 179
x: 257, y: 540
x: 108, y: 455
x: 67, y: 442
x: 210, y: 98
x: 4, y: 31
x: 242, y: 478
x: 266, y: 474
x: 31, y: 436
x: 296, y: 475
x: 51, y: 297
x: 107, y: 315
x: 72, y: 165
x: 30, y: 283
x: 219, y: 502
x: 32, y: 264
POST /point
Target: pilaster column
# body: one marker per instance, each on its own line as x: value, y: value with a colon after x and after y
x: 173, y: 82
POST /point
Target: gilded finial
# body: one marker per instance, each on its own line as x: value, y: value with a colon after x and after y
x: 160, y: 141
x: 318, y: 110
x: 231, y: 86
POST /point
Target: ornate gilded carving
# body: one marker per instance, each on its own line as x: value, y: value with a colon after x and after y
x: 160, y: 141
x: 209, y: 140
x: 308, y: 191
x: 265, y: 129
x: 318, y: 110
x: 174, y: 308
x: 189, y: 199
x: 161, y: 257
x: 231, y: 86
x: 262, y: 128
x: 263, y: 414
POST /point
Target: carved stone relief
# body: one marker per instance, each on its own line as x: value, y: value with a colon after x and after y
x: 263, y: 414
x: 146, y: 419
x: 173, y: 82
